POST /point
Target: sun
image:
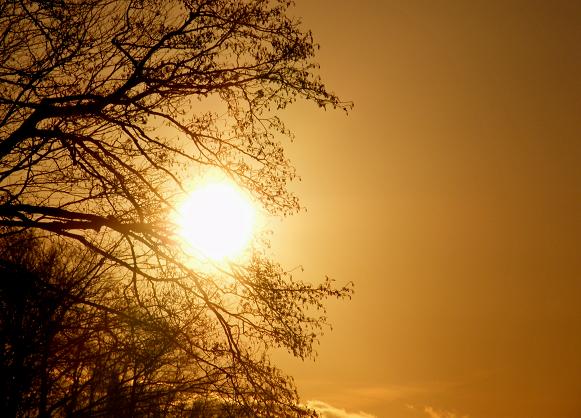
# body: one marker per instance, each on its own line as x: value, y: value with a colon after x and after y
x: 217, y: 220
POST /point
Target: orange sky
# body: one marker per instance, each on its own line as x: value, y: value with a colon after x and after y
x: 451, y: 196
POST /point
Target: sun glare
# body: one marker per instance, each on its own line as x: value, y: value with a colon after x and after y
x: 217, y: 220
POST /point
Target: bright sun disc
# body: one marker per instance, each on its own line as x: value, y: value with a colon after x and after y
x: 217, y: 220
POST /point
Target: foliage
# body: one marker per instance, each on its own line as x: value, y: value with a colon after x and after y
x: 107, y: 109
x: 74, y: 344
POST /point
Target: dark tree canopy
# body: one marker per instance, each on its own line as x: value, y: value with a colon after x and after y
x: 73, y: 344
x: 107, y: 109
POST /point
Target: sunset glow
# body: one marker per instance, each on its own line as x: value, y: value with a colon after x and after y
x: 217, y: 220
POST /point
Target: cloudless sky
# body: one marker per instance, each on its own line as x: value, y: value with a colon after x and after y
x: 451, y: 196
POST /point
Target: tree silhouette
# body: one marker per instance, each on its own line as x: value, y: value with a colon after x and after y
x: 73, y: 344
x: 107, y: 108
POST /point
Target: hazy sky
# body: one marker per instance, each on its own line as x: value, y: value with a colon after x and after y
x: 451, y: 196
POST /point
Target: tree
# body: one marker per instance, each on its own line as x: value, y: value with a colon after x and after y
x: 107, y: 107
x: 73, y: 344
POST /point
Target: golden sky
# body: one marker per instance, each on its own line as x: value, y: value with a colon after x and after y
x: 451, y: 196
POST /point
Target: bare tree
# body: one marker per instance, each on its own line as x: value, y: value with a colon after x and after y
x: 106, y: 108
x: 73, y: 344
